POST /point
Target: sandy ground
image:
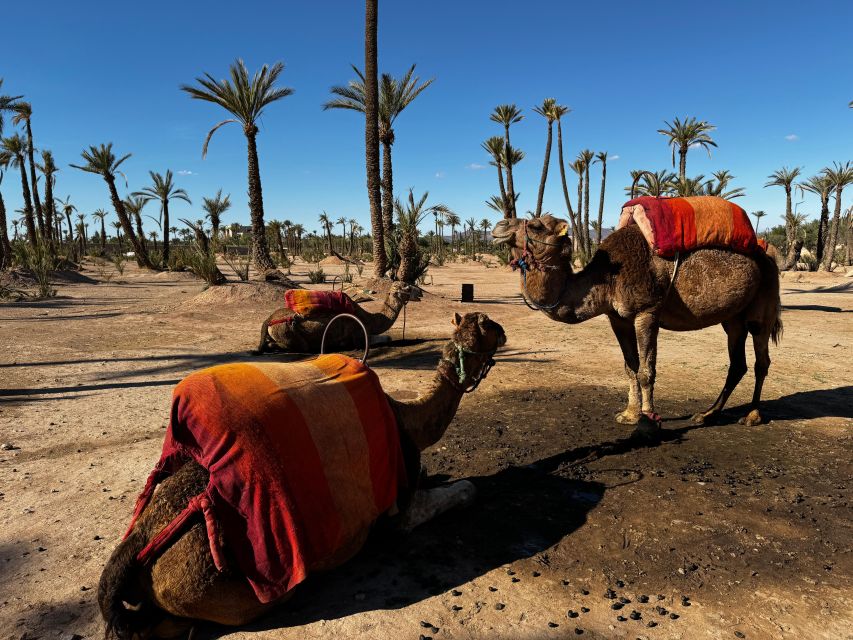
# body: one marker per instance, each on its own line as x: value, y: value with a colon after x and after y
x: 751, y: 524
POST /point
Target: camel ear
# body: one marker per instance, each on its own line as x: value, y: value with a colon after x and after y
x: 563, y: 230
x: 457, y: 320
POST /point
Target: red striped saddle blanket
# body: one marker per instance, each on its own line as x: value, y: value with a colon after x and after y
x: 306, y: 302
x: 673, y: 225
x: 303, y: 458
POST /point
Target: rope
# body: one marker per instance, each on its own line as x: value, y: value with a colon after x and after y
x: 459, y: 369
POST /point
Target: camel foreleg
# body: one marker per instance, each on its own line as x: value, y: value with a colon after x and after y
x: 627, y: 338
x: 426, y: 504
x: 646, y: 327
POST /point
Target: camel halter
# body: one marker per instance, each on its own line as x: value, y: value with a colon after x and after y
x: 528, y: 262
x: 459, y: 368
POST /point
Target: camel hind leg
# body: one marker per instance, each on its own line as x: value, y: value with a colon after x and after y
x: 736, y: 331
x: 761, y: 345
x: 426, y: 504
x: 265, y: 339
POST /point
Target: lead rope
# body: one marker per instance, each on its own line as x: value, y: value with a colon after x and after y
x: 672, y: 279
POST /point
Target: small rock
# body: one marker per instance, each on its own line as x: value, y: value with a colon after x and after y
x: 685, y: 601
x: 610, y: 594
x: 660, y: 597
x: 739, y: 634
x: 456, y: 607
x: 620, y: 583
x: 97, y: 538
x: 84, y: 588
x: 661, y: 610
x: 585, y: 592
x: 514, y: 579
x: 578, y: 631
x: 621, y: 618
x: 8, y: 446
x: 564, y: 582
x: 500, y: 606
x: 673, y: 616
x: 624, y: 600
x: 553, y: 625
x: 652, y: 623
x: 616, y: 606
x: 572, y: 614
x: 643, y: 599
x: 426, y: 625
x: 423, y: 637
x: 635, y: 615
x: 536, y: 574
x: 456, y: 593
x: 493, y: 589
x: 584, y: 609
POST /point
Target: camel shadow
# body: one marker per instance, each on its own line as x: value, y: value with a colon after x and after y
x: 520, y: 512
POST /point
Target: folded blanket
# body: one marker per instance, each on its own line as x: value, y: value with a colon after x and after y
x: 673, y: 225
x: 303, y: 458
x: 306, y: 302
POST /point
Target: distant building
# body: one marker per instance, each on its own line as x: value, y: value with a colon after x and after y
x: 234, y: 231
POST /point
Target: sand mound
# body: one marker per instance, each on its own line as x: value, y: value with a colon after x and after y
x: 175, y: 275
x: 331, y: 260
x: 239, y: 293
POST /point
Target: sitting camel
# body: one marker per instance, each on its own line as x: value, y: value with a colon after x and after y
x: 636, y: 290
x: 175, y: 566
x: 287, y: 330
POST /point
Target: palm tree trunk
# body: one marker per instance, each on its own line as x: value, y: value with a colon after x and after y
x: 832, y: 234
x: 601, y: 201
x: 28, y: 205
x: 822, y: 225
x: 263, y: 262
x: 5, y: 245
x: 506, y: 207
x: 49, y: 213
x: 509, y: 184
x: 682, y: 163
x: 792, y: 255
x: 563, y: 179
x: 587, y: 241
x: 580, y: 236
x: 103, y: 235
x: 70, y: 229
x: 371, y: 136
x: 166, y: 234
x: 36, y: 199
x: 544, y: 170
x: 141, y: 254
x: 387, y: 188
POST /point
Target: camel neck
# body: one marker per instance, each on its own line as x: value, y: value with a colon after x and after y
x: 384, y: 319
x: 426, y: 419
x: 579, y: 296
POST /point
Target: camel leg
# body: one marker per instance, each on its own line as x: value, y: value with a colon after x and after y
x: 761, y: 344
x: 265, y: 337
x: 627, y: 338
x: 426, y: 504
x: 736, y: 330
x: 646, y: 328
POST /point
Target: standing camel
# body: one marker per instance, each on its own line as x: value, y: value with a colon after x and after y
x: 187, y: 579
x: 286, y: 330
x: 636, y: 290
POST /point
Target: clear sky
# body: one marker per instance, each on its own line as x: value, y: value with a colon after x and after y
x: 774, y: 77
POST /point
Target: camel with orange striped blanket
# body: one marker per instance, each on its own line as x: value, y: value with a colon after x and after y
x: 272, y: 472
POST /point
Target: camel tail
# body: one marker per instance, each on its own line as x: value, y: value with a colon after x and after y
x: 770, y: 276
x: 120, y: 596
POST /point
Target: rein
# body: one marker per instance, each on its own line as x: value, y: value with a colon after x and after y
x: 459, y: 368
x: 528, y: 262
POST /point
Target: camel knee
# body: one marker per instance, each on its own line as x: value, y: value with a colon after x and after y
x: 646, y: 378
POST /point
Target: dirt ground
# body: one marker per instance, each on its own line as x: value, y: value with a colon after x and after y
x: 752, y: 525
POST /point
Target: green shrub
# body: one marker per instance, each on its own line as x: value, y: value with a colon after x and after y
x: 317, y: 276
x: 118, y: 262
x: 204, y: 266
x: 39, y: 262
x: 239, y: 263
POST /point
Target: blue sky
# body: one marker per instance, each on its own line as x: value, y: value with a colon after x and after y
x: 774, y: 78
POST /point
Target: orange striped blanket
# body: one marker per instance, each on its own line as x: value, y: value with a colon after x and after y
x: 303, y: 458
x: 673, y: 225
x: 306, y: 302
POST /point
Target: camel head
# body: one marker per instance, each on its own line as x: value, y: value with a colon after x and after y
x: 546, y: 238
x: 403, y: 292
x: 477, y: 333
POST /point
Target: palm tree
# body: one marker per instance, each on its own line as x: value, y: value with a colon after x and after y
x: 67, y: 210
x: 841, y: 175
x: 100, y: 160
x: 81, y: 232
x: 214, y: 208
x: 327, y: 227
x: 485, y: 225
x: 118, y: 227
x: 784, y: 178
x: 246, y: 99
x: 7, y: 103
x: 758, y: 215
x: 5, y: 245
x: 822, y: 186
x: 299, y: 230
x: 48, y: 169
x: 587, y: 157
x: 23, y: 114
x: 495, y: 147
x: 648, y: 183
x: 506, y: 115
x: 153, y: 236
x: 579, y: 243
x: 683, y: 135
x: 601, y: 156
x: 685, y: 187
x: 717, y: 186
x: 343, y: 222
x: 100, y: 214
x: 371, y: 136
x: 394, y: 96
x: 548, y: 111
x: 163, y: 189
x: 559, y: 112
x: 454, y: 221
x: 472, y: 225
x: 13, y: 149
x: 134, y: 204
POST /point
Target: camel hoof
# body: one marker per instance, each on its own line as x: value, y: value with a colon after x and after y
x: 627, y: 417
x: 647, y: 429
x: 751, y: 419
x: 704, y: 417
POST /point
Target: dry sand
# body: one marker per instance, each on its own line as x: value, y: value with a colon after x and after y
x: 752, y: 524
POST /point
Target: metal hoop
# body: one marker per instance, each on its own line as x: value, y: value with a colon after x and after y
x: 334, y: 278
x: 363, y: 328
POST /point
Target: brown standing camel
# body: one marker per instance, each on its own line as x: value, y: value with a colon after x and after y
x: 303, y: 335
x: 183, y: 584
x: 635, y: 289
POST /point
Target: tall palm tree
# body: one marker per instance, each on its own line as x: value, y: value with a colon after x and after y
x: 245, y: 98
x: 343, y: 222
x: 548, y: 111
x: 485, y: 225
x: 371, y: 136
x: 717, y: 186
x: 23, y: 114
x: 841, y: 175
x: 495, y: 147
x: 784, y: 178
x: 394, y: 96
x: 101, y: 160
x: 214, y: 208
x: 134, y: 205
x: 5, y: 245
x: 587, y: 157
x: 472, y: 225
x: 100, y: 214
x: 578, y: 241
x: 601, y: 157
x: 164, y: 190
x: 454, y: 221
x: 13, y: 149
x: 299, y: 230
x: 559, y: 112
x: 327, y: 228
x: 7, y: 103
x: 507, y: 115
x: 67, y: 210
x: 81, y: 232
x: 758, y: 215
x: 48, y: 169
x: 683, y: 135
x: 821, y: 186
x: 685, y: 187
x: 118, y: 227
x: 648, y: 183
